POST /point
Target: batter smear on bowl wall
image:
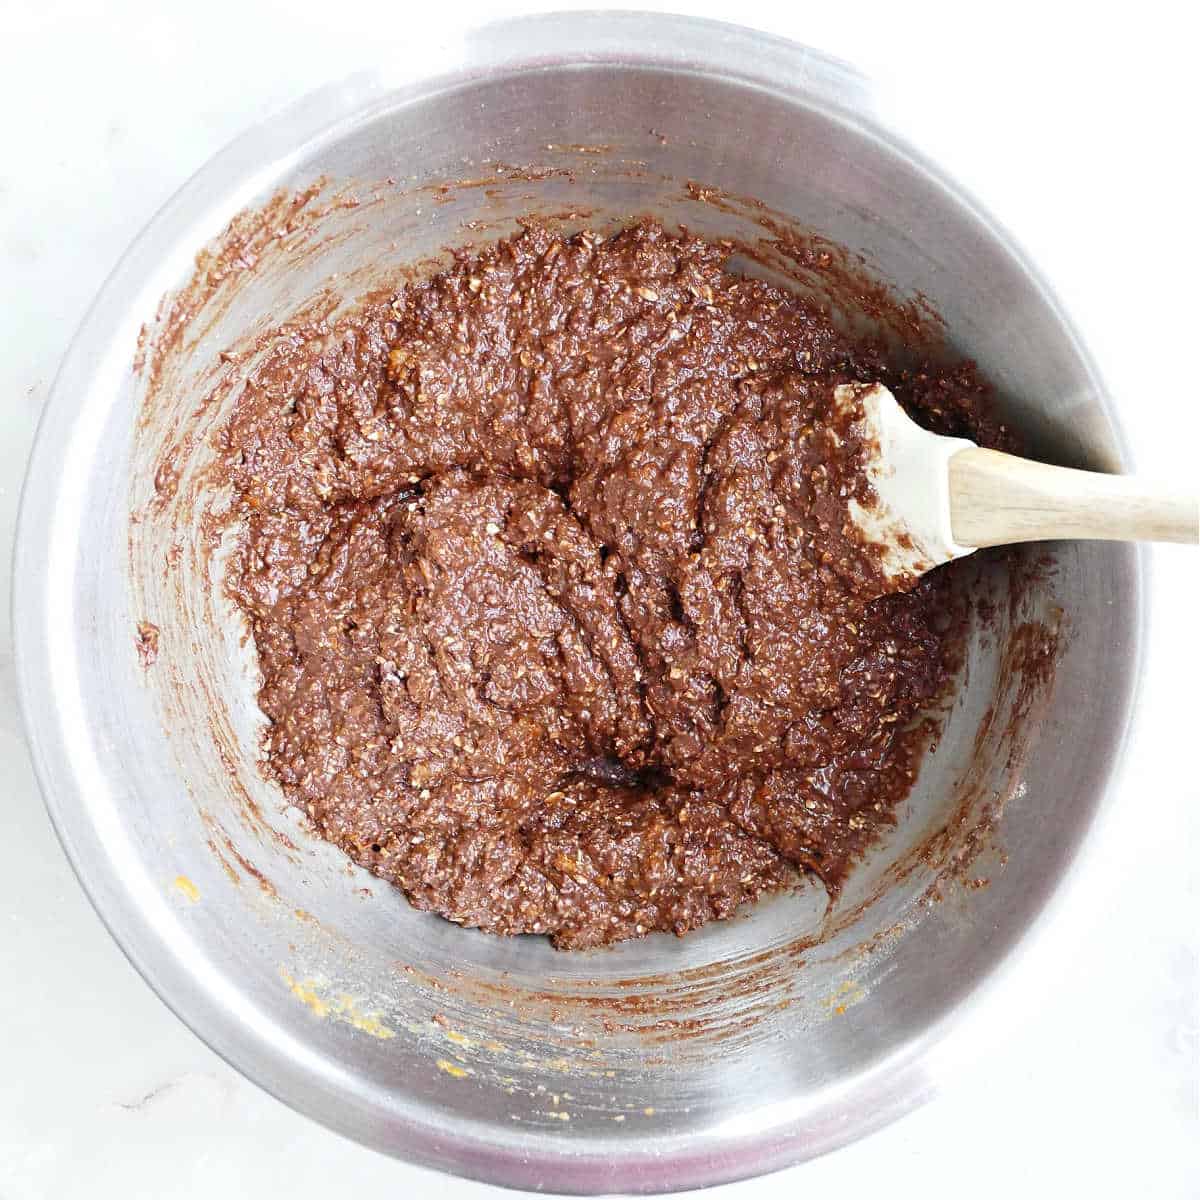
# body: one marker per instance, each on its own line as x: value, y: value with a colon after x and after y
x: 563, y: 625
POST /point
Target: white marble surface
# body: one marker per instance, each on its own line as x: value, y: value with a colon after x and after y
x: 1077, y: 129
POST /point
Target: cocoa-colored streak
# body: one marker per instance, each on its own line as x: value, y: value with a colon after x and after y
x: 146, y: 643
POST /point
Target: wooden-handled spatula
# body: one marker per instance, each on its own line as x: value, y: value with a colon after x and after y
x: 938, y: 498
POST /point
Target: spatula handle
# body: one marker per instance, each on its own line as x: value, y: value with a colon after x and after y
x: 997, y: 498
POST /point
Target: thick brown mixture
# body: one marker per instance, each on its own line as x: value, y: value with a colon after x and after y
x: 559, y: 626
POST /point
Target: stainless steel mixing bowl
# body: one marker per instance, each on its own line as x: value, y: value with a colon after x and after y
x: 661, y: 1064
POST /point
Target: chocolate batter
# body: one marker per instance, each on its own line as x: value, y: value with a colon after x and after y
x: 562, y: 625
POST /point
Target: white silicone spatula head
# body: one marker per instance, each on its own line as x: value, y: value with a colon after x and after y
x: 937, y: 498
x: 909, y: 471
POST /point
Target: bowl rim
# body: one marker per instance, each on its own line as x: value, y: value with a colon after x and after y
x: 102, y: 346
